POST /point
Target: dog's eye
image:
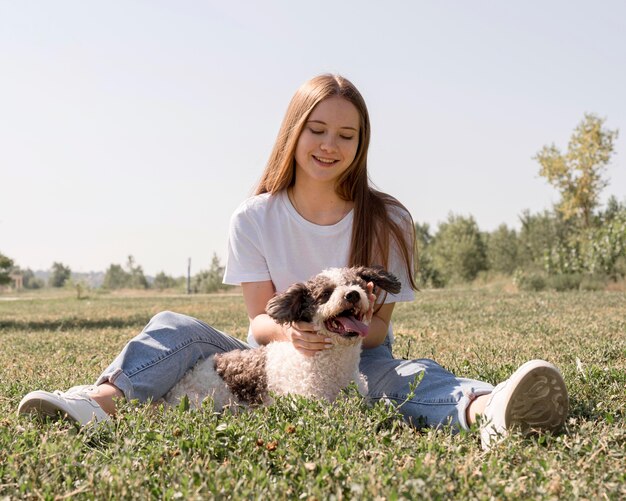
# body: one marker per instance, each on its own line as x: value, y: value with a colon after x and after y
x: 325, y: 294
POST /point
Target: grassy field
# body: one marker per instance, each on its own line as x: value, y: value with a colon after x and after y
x: 298, y: 449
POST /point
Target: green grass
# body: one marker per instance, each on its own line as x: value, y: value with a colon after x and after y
x: 306, y: 449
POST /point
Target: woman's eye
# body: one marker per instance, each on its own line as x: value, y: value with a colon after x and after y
x: 348, y: 138
x: 316, y: 131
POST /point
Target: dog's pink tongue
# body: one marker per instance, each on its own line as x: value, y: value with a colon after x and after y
x: 351, y: 324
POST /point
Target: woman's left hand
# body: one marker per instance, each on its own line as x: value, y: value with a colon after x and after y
x: 372, y: 299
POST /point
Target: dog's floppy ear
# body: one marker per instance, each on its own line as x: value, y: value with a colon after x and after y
x: 380, y: 277
x: 292, y: 305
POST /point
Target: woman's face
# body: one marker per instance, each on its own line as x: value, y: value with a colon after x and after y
x: 329, y: 141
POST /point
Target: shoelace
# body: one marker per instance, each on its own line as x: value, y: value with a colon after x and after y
x: 73, y: 396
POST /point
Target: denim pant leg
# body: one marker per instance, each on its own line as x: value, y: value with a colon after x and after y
x: 157, y: 358
x: 439, y: 399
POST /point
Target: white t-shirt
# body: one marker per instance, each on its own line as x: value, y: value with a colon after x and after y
x: 269, y: 240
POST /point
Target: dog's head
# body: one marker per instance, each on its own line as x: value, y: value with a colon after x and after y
x: 336, y: 300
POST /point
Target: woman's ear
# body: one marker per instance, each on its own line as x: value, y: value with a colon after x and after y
x: 293, y: 305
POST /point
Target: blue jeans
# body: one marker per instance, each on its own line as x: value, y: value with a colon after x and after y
x: 439, y: 398
x: 171, y: 344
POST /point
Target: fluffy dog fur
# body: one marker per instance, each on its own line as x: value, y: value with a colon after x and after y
x: 336, y: 301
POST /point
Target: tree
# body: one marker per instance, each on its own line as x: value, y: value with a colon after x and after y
x: 427, y: 275
x: 502, y: 250
x: 579, y: 173
x: 163, y: 281
x: 614, y: 209
x: 137, y: 280
x: 539, y: 234
x: 115, y: 277
x: 210, y: 280
x: 133, y: 277
x: 6, y: 265
x: 30, y: 281
x: 60, y: 274
x: 458, y: 250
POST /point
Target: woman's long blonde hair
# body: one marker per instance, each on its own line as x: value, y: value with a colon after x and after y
x: 373, y: 226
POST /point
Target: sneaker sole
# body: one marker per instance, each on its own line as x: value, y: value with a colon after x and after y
x: 44, y: 404
x: 538, y: 401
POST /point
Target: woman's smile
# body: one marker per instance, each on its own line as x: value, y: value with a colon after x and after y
x: 325, y: 161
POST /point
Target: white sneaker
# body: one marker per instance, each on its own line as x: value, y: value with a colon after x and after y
x: 534, y: 398
x: 74, y: 404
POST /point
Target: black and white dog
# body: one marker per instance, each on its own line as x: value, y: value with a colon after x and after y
x: 337, y: 302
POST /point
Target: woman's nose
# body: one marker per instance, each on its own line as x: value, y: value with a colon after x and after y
x: 329, y: 143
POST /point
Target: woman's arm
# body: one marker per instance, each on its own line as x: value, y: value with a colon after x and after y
x: 378, y: 326
x: 265, y: 330
x: 256, y: 295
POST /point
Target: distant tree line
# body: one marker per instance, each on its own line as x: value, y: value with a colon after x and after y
x: 58, y: 276
x: 574, y: 245
x: 130, y: 276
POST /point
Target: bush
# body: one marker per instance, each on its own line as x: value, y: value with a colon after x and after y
x: 565, y: 281
x: 620, y: 267
x: 529, y: 281
x: 594, y: 282
x: 538, y: 281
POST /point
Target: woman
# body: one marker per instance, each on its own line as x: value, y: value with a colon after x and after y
x: 314, y: 208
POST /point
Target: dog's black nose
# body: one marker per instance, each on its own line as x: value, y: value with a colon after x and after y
x: 353, y: 297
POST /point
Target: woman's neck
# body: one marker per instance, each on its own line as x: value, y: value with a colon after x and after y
x: 318, y: 204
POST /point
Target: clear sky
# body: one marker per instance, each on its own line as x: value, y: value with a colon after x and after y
x: 137, y: 127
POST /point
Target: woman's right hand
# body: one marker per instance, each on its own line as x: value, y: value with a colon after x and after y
x: 306, y: 338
